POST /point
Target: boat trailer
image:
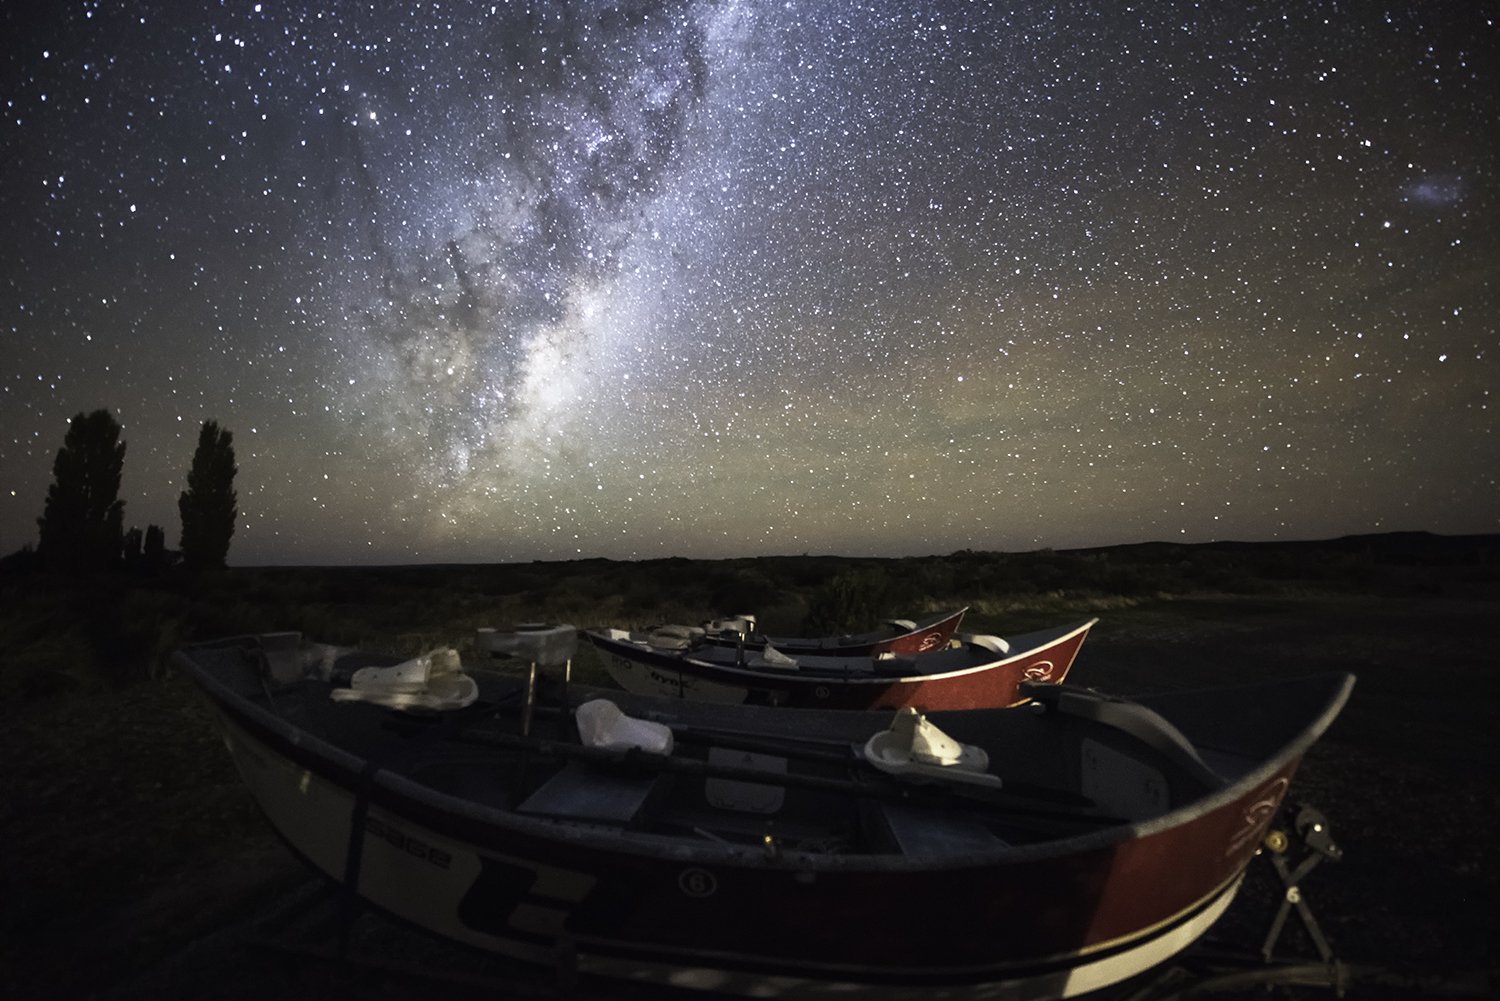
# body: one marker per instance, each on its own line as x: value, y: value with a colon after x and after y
x: 1296, y: 844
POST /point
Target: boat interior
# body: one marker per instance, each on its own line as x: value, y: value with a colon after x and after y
x: 758, y: 779
x: 728, y: 631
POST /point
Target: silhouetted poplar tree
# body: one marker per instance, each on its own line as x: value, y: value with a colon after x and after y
x: 207, y: 506
x: 82, y: 524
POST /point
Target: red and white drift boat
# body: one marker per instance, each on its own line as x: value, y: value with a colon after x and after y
x: 979, y: 672
x: 1034, y: 853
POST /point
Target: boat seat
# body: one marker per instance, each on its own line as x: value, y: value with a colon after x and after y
x: 434, y: 681
x: 922, y: 832
x: 771, y: 657
x: 675, y: 637
x: 602, y: 725
x: 578, y: 792
x: 283, y: 660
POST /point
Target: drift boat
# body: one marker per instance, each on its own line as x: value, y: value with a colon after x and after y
x: 978, y: 672
x: 1034, y: 853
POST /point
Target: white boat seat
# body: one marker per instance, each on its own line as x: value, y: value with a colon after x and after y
x: 742, y: 625
x: 674, y: 637
x: 433, y: 681
x: 913, y: 747
x: 284, y: 659
x: 602, y: 725
x: 769, y: 656
x: 540, y: 644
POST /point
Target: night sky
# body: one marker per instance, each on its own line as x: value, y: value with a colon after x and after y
x: 504, y: 282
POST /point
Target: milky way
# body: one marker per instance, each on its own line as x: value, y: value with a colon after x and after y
x: 497, y: 282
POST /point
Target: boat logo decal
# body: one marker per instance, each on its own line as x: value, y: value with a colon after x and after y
x: 821, y: 691
x: 407, y: 843
x: 1257, y: 815
x: 697, y: 882
x: 667, y: 680
x: 1040, y: 671
x: 929, y: 642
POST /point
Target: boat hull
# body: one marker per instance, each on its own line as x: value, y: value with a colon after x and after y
x: 992, y: 683
x: 1042, y: 922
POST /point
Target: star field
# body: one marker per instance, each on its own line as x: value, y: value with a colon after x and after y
x: 532, y: 281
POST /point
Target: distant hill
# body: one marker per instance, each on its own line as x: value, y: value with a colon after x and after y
x: 1418, y: 547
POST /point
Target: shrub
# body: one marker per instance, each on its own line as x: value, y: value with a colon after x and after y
x: 849, y: 601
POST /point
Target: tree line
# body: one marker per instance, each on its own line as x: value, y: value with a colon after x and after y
x: 82, y: 525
